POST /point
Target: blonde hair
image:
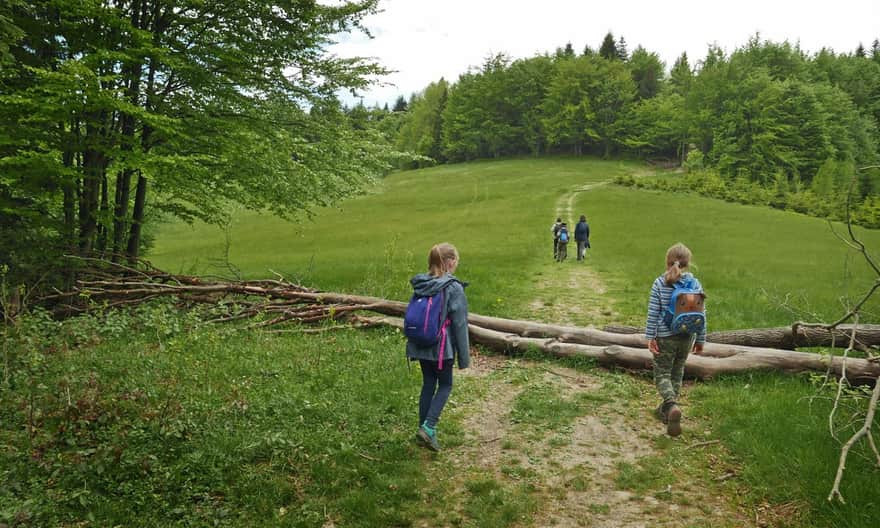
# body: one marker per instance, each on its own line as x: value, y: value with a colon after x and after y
x: 678, y: 258
x: 440, y: 257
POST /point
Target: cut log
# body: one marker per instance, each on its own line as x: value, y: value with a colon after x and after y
x: 742, y: 359
x: 783, y: 337
x: 273, y: 302
x: 777, y: 338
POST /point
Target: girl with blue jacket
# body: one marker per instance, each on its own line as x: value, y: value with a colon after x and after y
x: 436, y: 367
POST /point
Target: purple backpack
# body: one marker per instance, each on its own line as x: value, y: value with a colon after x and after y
x: 424, y: 323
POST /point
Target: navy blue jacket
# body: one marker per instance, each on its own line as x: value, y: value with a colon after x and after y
x: 582, y: 232
x: 456, y: 310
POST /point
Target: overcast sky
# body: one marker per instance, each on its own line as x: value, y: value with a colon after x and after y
x: 424, y: 40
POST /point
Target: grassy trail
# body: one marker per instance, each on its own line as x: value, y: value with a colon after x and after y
x: 569, y: 471
x: 571, y: 292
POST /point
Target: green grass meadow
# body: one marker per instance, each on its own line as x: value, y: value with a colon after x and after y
x: 147, y: 417
x: 762, y: 267
x: 498, y: 214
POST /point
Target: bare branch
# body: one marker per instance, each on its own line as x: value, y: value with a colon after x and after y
x: 865, y: 430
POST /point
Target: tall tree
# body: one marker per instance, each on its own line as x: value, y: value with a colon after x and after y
x: 681, y: 75
x: 622, y: 51
x: 193, y: 104
x: 608, y: 49
x: 421, y: 132
x: 647, y: 72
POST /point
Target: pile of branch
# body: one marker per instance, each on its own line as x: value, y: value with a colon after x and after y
x: 270, y: 303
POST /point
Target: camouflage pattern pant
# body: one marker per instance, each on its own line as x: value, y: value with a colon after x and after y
x: 669, y: 365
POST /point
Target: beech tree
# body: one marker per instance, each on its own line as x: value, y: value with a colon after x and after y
x: 175, y: 106
x: 420, y: 133
x: 647, y: 72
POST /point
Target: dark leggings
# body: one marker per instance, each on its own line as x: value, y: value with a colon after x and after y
x: 436, y: 387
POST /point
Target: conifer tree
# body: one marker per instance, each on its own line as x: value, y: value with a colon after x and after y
x: 681, y: 75
x: 860, y: 51
x: 622, y: 52
x: 608, y: 49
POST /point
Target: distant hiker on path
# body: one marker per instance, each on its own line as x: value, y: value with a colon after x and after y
x: 562, y: 245
x: 676, y: 326
x: 582, y: 236
x: 555, y: 230
x: 436, y: 359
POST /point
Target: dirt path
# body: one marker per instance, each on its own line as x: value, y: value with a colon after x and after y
x: 571, y: 292
x: 579, y: 470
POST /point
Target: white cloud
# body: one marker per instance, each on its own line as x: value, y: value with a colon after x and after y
x: 424, y: 40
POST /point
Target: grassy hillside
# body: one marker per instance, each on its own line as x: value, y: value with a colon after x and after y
x: 761, y: 267
x: 498, y: 214
x: 149, y: 417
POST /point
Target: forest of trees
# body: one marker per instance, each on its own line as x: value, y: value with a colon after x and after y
x: 767, y: 123
x: 117, y: 113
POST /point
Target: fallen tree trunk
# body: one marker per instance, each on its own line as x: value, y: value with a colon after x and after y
x: 273, y: 302
x: 783, y: 337
x: 742, y: 359
x: 868, y: 335
x: 788, y: 338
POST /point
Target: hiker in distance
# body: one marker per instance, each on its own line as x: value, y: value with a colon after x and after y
x: 437, y: 332
x: 555, y: 230
x: 676, y: 326
x: 582, y: 236
x: 562, y: 245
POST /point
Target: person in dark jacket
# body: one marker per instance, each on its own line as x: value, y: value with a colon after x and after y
x: 437, y: 368
x: 582, y: 237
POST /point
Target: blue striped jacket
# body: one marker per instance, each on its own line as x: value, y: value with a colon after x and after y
x: 661, y: 295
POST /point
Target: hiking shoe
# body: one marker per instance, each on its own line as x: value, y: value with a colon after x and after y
x: 673, y: 421
x: 428, y: 438
x: 659, y: 414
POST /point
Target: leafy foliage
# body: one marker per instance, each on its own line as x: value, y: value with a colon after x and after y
x: 767, y: 114
x: 136, y: 107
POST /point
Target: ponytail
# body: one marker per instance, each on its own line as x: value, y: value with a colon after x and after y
x: 439, y: 258
x: 678, y: 258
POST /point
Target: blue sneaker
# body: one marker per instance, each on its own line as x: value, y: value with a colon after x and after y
x: 428, y: 437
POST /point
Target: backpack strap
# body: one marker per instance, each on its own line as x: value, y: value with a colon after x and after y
x: 442, y: 344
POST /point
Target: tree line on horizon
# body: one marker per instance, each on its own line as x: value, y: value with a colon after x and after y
x: 767, y: 116
x: 118, y: 114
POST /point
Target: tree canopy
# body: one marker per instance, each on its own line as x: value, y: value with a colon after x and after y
x: 128, y: 109
x: 767, y: 113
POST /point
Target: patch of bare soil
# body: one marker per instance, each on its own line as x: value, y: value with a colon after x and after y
x: 572, y: 294
x: 576, y: 469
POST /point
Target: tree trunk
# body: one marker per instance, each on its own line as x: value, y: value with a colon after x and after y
x: 88, y: 203
x: 290, y: 302
x: 783, y: 337
x: 740, y: 359
x: 120, y: 211
x: 102, y: 215
x: 69, y: 205
x: 137, y: 219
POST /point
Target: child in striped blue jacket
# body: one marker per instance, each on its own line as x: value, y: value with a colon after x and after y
x: 670, y: 349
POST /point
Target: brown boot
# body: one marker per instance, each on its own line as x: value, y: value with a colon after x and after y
x: 660, y: 413
x: 673, y: 420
